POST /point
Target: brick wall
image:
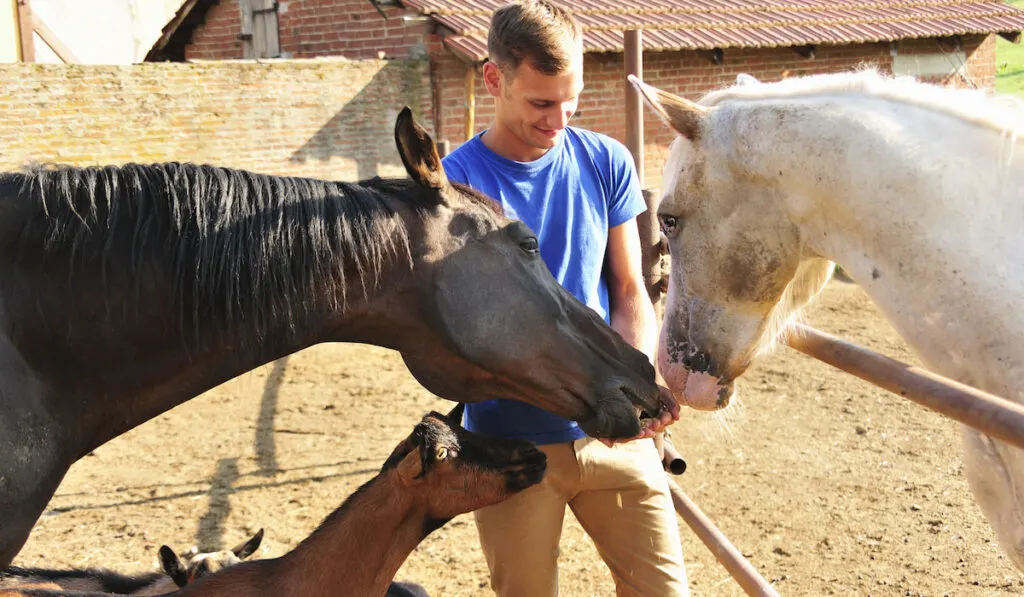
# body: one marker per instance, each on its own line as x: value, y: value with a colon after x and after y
x: 353, y: 28
x: 688, y: 74
x: 325, y: 118
x: 309, y: 28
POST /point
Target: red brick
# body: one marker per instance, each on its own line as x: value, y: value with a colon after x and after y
x: 354, y: 29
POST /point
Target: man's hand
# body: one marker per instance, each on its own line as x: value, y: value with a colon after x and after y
x: 651, y: 427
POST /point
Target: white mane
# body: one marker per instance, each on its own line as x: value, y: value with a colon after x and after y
x: 1003, y: 113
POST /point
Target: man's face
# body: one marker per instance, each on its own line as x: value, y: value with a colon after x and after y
x: 536, y: 107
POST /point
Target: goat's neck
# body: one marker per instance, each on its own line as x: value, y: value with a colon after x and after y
x: 361, y: 545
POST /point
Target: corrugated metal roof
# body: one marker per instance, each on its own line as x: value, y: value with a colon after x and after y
x: 708, y: 24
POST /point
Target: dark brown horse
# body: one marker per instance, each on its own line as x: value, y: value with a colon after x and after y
x: 125, y: 291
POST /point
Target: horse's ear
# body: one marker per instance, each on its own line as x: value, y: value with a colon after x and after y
x: 684, y: 116
x: 173, y: 566
x: 746, y: 79
x: 249, y: 546
x: 419, y: 154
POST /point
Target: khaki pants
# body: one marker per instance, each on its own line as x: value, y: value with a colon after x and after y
x: 619, y: 495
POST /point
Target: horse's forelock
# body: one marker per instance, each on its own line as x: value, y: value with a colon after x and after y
x: 478, y: 198
x: 678, y: 152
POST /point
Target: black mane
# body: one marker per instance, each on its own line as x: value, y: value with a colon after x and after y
x: 263, y: 246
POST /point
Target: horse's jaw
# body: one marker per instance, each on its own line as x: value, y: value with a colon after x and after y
x: 703, y: 348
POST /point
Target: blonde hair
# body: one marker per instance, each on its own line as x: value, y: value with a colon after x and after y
x: 534, y: 31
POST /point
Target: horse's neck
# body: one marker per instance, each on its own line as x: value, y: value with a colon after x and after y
x: 360, y: 547
x: 168, y: 375
x: 176, y: 368
x: 932, y: 233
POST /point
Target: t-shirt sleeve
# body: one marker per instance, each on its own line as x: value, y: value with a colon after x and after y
x: 627, y: 199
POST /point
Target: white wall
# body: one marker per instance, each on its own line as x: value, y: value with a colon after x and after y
x: 9, y: 38
x: 103, y: 31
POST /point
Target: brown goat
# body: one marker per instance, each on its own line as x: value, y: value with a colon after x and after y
x: 438, y: 472
x: 203, y: 564
x: 100, y: 580
x: 90, y: 580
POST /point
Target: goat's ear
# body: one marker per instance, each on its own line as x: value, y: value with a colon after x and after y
x: 417, y: 462
x: 410, y: 469
x: 398, y: 454
x: 419, y: 154
x: 684, y: 116
x: 173, y: 566
x: 455, y: 414
x: 248, y: 547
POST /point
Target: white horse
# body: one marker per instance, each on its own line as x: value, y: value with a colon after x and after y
x: 916, y: 190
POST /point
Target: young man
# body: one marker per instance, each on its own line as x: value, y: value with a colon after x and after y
x: 579, y: 192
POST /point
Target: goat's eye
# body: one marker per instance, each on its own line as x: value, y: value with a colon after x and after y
x: 442, y: 453
x: 530, y: 246
x: 668, y: 223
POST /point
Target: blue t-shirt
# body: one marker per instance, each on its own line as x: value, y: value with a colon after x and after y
x: 569, y: 197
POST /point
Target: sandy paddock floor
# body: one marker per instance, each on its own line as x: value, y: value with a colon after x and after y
x: 828, y: 485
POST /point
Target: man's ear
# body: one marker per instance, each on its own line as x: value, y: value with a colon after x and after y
x: 492, y: 76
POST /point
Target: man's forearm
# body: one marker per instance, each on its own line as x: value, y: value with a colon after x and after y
x: 635, y: 321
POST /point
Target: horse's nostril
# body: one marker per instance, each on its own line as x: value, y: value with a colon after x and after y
x: 697, y: 361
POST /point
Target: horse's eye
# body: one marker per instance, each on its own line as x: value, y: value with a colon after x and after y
x: 668, y: 223
x: 530, y: 246
x: 442, y: 453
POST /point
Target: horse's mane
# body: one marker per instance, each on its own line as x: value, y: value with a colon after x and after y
x: 263, y: 246
x: 1003, y: 113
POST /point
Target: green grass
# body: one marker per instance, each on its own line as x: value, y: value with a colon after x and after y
x: 1010, y: 64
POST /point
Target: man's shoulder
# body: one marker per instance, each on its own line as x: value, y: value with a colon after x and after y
x: 590, y: 136
x: 459, y: 162
x: 599, y: 144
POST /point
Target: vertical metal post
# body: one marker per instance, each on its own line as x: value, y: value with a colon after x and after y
x: 647, y: 222
x: 634, y: 56
x: 470, y: 100
x: 26, y: 30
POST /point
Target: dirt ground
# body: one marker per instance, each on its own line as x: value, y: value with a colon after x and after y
x: 828, y: 485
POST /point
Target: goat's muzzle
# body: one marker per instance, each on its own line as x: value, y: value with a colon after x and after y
x: 528, y: 469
